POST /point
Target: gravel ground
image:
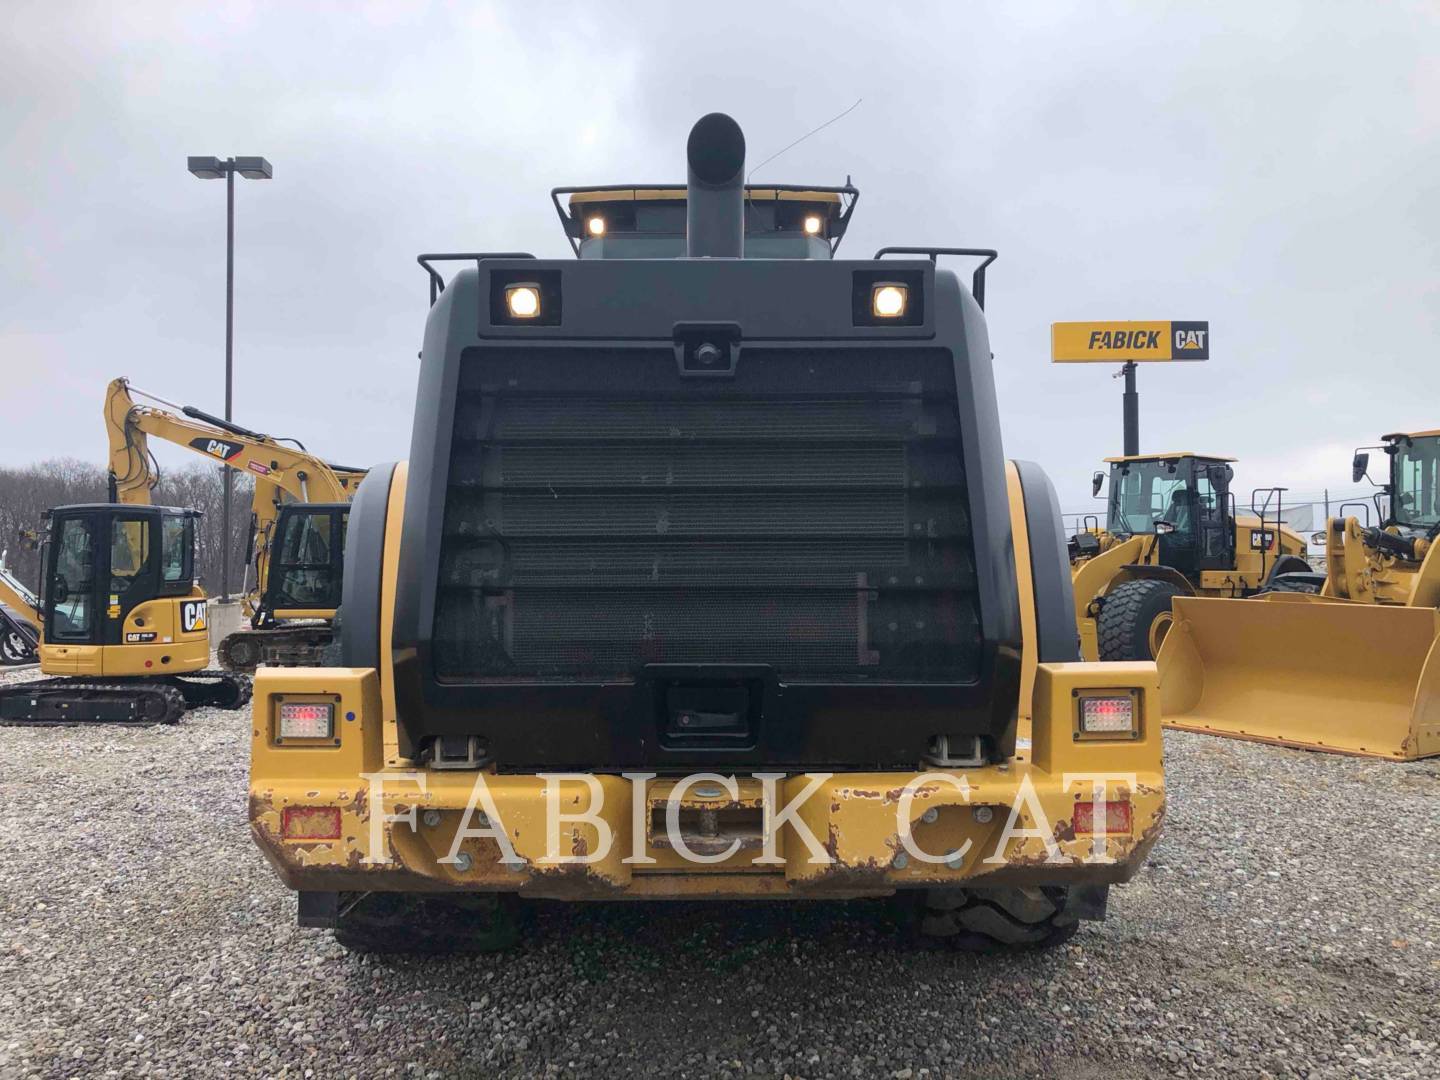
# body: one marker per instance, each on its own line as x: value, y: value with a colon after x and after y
x: 1288, y: 924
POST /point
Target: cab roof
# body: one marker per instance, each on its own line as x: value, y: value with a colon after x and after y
x: 124, y: 508
x: 834, y: 204
x: 1411, y: 435
x: 1167, y: 457
x: 754, y: 194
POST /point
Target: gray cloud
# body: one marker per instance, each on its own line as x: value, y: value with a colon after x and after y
x: 1272, y: 168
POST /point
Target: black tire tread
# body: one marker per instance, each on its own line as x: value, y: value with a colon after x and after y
x: 1121, y: 637
x: 418, y: 924
x: 999, y: 919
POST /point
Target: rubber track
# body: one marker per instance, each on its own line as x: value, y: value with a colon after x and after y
x: 175, y: 700
x: 287, y: 646
x: 228, y: 690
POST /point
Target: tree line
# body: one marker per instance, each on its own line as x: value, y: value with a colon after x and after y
x: 27, y: 492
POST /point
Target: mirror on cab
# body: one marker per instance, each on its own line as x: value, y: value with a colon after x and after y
x: 1096, y: 483
x: 1359, y: 467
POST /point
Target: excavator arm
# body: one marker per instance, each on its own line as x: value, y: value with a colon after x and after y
x: 281, y: 472
x: 275, y: 466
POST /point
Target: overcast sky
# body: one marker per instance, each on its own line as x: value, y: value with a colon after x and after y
x: 1273, y: 168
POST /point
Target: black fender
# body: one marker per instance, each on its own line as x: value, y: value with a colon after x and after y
x: 1058, y: 639
x: 1139, y: 571
x: 359, y: 613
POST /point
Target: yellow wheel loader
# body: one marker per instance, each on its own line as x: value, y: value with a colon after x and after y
x: 123, y: 627
x: 1171, y: 530
x: 1345, y: 662
x: 297, y: 521
x: 707, y: 578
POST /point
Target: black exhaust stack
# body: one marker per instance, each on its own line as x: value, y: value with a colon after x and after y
x: 715, y: 200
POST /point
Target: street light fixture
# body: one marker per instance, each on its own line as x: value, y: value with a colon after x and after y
x: 212, y: 168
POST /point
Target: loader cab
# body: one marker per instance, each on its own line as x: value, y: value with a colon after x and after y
x: 1414, y: 486
x: 104, y: 560
x: 649, y: 223
x: 307, y: 557
x: 1183, y: 499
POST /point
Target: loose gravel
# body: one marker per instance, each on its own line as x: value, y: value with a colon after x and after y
x: 1287, y: 924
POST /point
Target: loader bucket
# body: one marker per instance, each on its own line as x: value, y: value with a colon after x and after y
x: 1305, y: 671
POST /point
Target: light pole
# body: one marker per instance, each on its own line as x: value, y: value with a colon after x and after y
x: 210, y: 168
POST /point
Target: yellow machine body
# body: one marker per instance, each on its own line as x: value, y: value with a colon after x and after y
x: 1257, y: 544
x: 350, y: 813
x: 1305, y: 671
x: 1362, y: 573
x: 280, y: 473
x: 1353, y: 670
x: 153, y: 641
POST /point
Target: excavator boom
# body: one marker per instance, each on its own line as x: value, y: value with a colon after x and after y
x: 287, y: 479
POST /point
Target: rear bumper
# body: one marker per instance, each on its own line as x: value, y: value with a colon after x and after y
x: 334, y: 818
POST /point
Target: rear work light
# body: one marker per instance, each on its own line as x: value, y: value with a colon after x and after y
x: 306, y: 720
x: 523, y: 300
x: 1107, y: 715
x: 888, y: 300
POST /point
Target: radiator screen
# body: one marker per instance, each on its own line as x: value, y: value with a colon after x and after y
x: 604, y: 512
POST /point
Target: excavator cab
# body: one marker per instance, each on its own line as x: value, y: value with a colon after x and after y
x: 307, y: 555
x: 122, y: 575
x: 124, y: 626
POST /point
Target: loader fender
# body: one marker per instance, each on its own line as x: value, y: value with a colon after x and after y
x: 1147, y: 572
x: 1093, y: 578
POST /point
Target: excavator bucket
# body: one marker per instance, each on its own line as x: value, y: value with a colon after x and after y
x: 1305, y: 671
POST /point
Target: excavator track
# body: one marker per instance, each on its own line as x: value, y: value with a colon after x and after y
x: 76, y: 701
x: 212, y: 688
x: 284, y: 646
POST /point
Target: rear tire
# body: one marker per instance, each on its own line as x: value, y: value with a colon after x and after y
x: 383, y: 923
x: 999, y: 919
x: 13, y: 648
x: 1134, y: 618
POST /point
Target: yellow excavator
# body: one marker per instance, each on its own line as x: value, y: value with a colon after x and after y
x: 1171, y: 530
x: 297, y: 524
x: 1347, y: 662
x: 123, y: 628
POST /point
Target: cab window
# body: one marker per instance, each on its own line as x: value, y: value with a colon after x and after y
x: 129, y: 554
x: 71, y: 590
x: 177, y: 547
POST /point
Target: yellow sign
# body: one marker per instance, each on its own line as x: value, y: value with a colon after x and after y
x: 1121, y: 342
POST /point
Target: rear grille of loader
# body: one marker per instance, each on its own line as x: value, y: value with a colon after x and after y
x: 605, y: 512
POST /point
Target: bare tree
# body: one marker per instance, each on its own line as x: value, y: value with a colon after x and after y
x: 26, y: 493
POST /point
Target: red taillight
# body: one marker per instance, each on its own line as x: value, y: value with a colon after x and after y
x: 1106, y: 715
x: 1114, y: 818
x: 310, y: 823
